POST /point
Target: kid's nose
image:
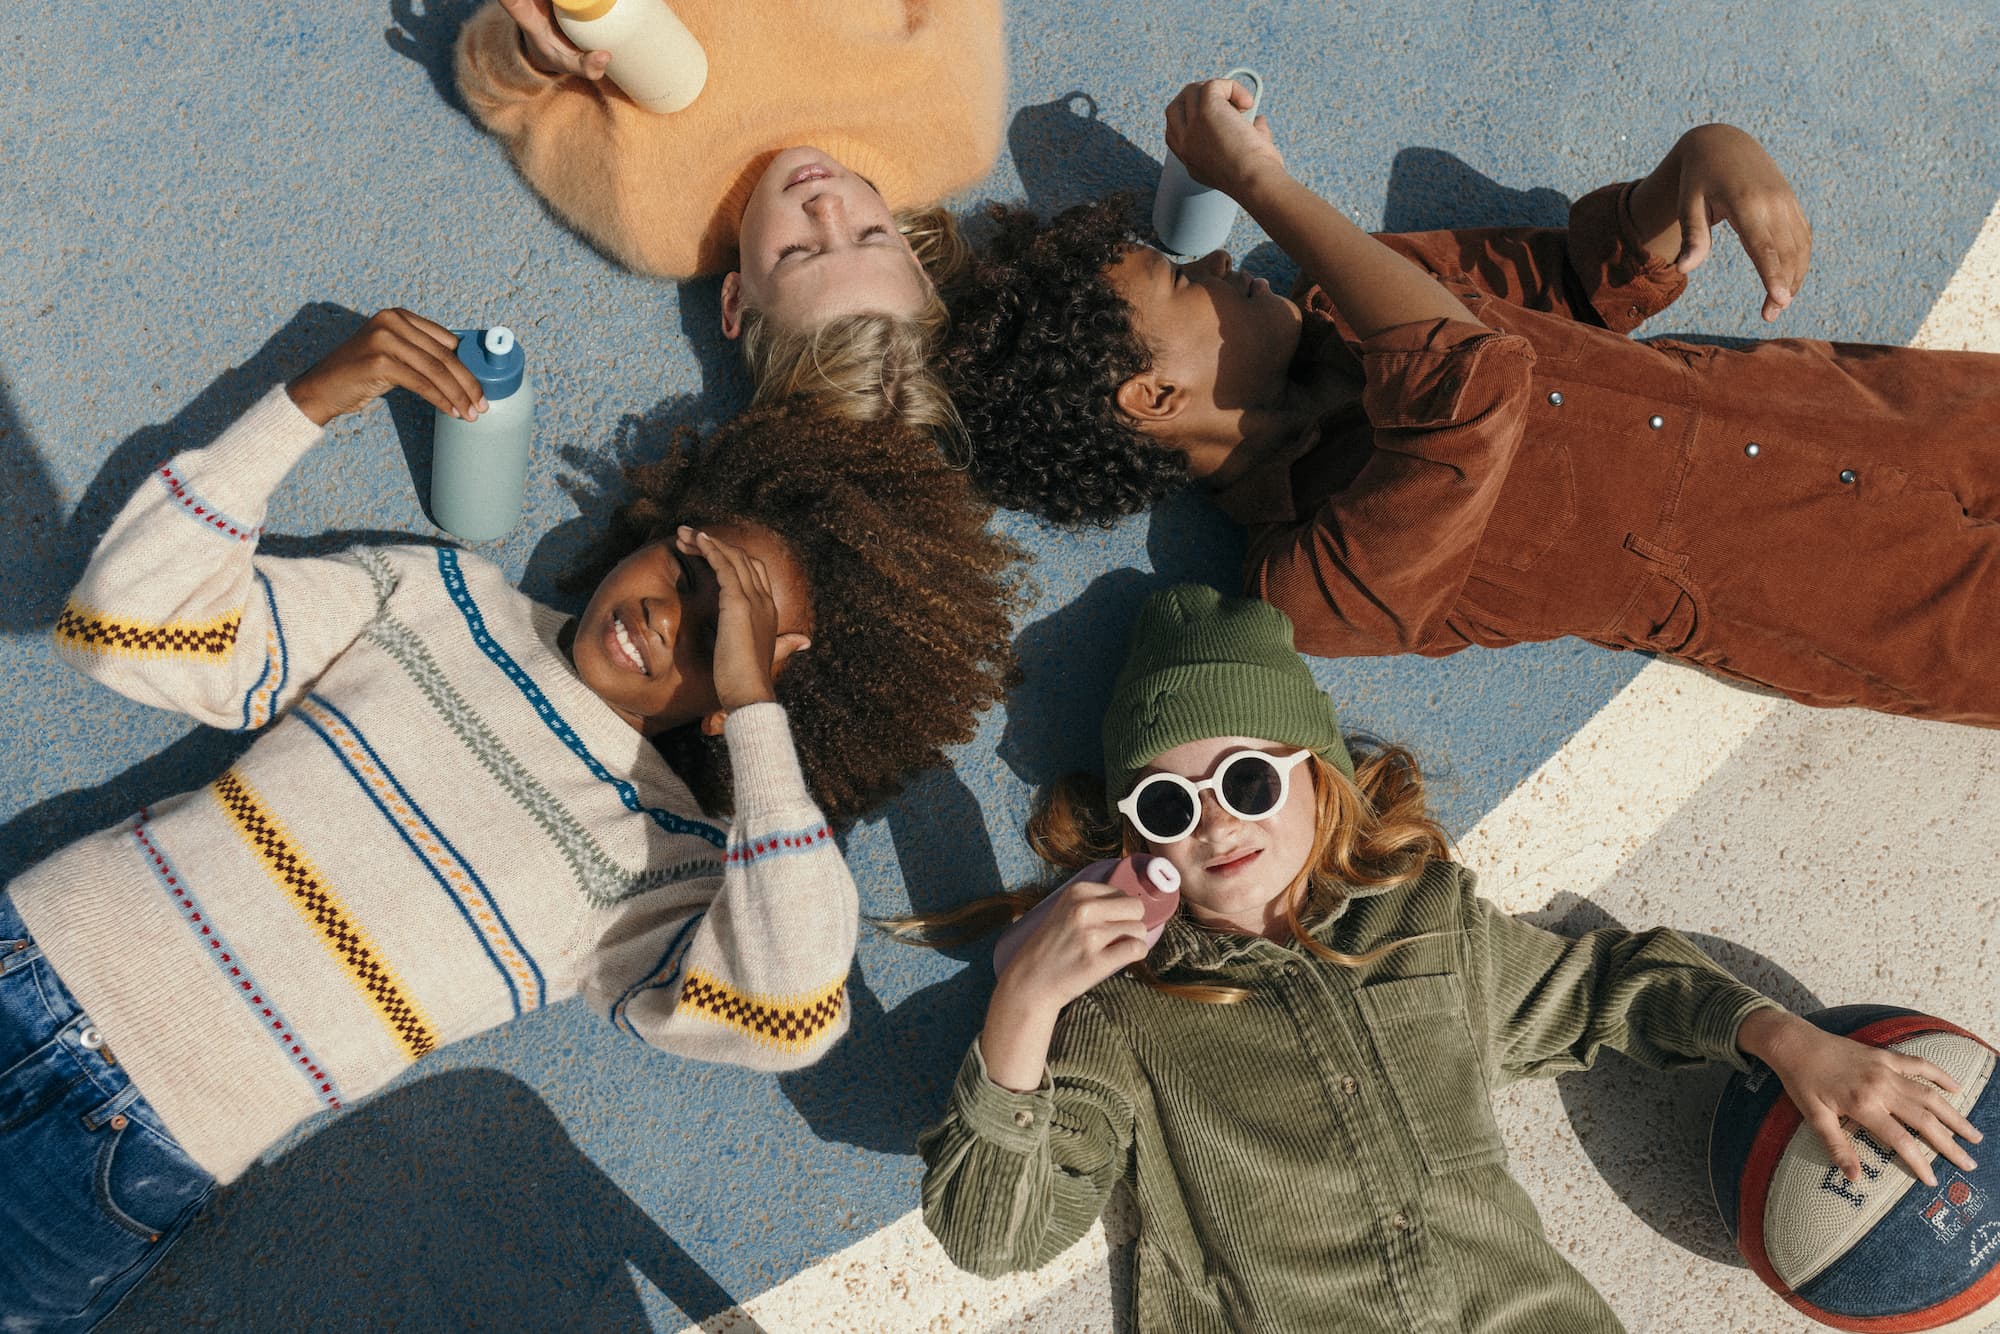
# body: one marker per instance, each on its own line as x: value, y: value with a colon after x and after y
x: 1216, y: 262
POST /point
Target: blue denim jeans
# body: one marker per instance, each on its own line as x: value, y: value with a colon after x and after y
x: 92, y: 1187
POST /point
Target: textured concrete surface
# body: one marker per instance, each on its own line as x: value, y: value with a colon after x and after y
x: 203, y: 198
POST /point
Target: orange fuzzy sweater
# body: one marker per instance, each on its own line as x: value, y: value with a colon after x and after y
x: 909, y: 93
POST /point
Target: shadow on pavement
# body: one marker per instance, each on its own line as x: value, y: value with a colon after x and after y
x: 457, y: 1202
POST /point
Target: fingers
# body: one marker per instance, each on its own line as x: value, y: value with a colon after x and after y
x: 412, y: 358
x: 1236, y: 94
x: 1839, y: 1147
x: 546, y: 47
x: 1779, y: 243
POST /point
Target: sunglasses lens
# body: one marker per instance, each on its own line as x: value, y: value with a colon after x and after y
x: 1250, y: 786
x: 1165, y: 809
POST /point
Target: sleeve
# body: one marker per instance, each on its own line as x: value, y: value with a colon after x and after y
x: 1381, y: 562
x: 1012, y: 1180
x: 748, y: 966
x: 1597, y: 270
x: 1553, y: 1002
x: 178, y: 610
x: 561, y: 134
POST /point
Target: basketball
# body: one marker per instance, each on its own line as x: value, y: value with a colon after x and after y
x: 1885, y: 1253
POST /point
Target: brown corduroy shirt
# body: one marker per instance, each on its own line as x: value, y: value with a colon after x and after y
x: 1322, y: 1155
x: 1819, y: 518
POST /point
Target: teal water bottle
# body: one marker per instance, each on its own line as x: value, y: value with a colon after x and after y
x: 479, y: 469
x: 1192, y: 219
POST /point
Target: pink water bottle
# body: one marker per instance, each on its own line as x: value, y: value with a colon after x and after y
x: 1151, y: 879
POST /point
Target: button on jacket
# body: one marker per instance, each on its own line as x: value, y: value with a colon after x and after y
x: 1322, y: 1155
x: 1819, y: 518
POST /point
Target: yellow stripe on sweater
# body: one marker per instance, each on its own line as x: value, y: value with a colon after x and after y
x: 88, y: 631
x: 322, y: 910
x: 790, y: 1024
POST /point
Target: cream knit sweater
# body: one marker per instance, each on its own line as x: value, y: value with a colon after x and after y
x: 443, y: 828
x: 909, y: 93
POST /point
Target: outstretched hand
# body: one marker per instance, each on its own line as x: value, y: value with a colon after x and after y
x: 1897, y: 1098
x: 394, y: 350
x: 748, y: 647
x: 1717, y: 174
x: 546, y: 47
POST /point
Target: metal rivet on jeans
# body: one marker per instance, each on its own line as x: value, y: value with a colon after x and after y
x: 1555, y: 398
x: 1656, y: 421
x: 1847, y: 476
x: 1753, y: 449
x: 118, y: 1121
x: 90, y: 1038
x: 20, y: 945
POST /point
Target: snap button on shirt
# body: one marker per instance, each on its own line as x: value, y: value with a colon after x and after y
x: 1400, y: 1221
x: 1656, y: 421
x: 1349, y: 1085
x: 1555, y: 398
x: 1753, y: 449
x: 1847, y: 476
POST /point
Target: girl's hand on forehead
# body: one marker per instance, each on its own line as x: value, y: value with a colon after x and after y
x: 1207, y: 132
x: 748, y: 647
x: 394, y: 350
x: 1836, y: 1081
x: 546, y: 47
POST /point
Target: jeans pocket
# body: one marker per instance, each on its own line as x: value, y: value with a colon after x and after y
x: 144, y: 1182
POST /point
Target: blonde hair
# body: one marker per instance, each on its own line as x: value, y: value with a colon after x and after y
x: 1371, y: 831
x: 868, y: 366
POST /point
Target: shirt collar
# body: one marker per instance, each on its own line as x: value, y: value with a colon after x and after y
x: 1187, y: 946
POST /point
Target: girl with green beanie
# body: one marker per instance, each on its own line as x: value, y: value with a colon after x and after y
x: 1294, y: 1080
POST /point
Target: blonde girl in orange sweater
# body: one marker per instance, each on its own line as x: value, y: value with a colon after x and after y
x: 805, y: 173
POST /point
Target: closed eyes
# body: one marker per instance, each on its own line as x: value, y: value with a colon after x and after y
x: 861, y: 237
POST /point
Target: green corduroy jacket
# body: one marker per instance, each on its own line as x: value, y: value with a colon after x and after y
x: 1323, y: 1155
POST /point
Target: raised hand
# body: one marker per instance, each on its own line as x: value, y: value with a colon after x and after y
x: 1207, y: 132
x: 546, y: 47
x: 748, y: 647
x: 1832, y: 1080
x: 394, y: 350
x: 1717, y: 174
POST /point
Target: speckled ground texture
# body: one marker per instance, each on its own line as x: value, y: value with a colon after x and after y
x: 203, y: 198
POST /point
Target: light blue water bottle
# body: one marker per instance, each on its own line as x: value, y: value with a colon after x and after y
x: 1190, y: 218
x: 479, y: 469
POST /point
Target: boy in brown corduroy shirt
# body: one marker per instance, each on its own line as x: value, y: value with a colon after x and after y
x: 1451, y: 440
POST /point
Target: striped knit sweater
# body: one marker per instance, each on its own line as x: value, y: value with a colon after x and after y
x: 443, y: 828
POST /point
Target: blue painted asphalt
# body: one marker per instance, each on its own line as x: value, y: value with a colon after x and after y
x: 205, y: 197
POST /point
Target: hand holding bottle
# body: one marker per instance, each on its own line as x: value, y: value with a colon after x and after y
x: 1220, y: 147
x: 546, y: 48
x: 394, y: 350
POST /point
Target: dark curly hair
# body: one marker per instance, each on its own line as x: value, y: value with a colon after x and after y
x: 1038, y: 347
x: 911, y: 593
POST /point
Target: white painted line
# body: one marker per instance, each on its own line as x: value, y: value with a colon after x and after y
x: 1569, y: 827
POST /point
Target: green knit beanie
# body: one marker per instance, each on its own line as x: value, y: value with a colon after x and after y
x: 1202, y: 665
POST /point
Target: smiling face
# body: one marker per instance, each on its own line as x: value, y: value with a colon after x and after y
x: 646, y: 642
x: 817, y: 242
x: 1222, y: 337
x: 1234, y: 873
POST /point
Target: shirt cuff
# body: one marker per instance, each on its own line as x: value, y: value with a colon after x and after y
x: 764, y: 774
x: 1627, y: 284
x: 1016, y: 1122
x: 1437, y: 373
x: 493, y: 65
x: 1722, y: 1017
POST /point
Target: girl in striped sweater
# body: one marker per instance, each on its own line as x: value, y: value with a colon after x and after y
x: 463, y: 807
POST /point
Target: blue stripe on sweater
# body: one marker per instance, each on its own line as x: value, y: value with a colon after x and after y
x: 664, y: 973
x: 454, y: 582
x: 235, y: 972
x: 513, y: 991
x: 283, y: 664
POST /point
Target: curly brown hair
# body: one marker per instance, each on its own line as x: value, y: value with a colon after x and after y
x: 1372, y: 831
x: 1038, y: 346
x: 912, y: 595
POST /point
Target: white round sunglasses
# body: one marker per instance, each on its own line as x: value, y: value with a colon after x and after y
x: 1249, y: 784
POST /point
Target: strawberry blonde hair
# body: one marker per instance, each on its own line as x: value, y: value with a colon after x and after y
x: 1372, y: 831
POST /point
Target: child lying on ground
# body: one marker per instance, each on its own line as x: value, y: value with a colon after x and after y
x: 462, y: 810
x: 806, y: 172
x: 1294, y: 1080
x: 1450, y: 440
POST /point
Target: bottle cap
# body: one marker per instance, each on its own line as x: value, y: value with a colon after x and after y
x: 583, y: 11
x: 494, y: 359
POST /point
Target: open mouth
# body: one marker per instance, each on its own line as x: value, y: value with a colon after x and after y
x: 812, y: 171
x: 622, y: 648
